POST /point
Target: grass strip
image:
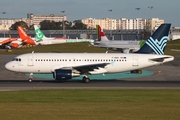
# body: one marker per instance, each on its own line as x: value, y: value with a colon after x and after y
x: 90, y: 104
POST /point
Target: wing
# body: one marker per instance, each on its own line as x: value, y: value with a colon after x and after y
x: 89, y: 68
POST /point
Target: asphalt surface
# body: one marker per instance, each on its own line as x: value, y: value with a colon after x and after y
x: 166, y: 76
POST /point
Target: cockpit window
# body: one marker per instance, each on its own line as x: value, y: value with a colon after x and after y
x: 16, y: 59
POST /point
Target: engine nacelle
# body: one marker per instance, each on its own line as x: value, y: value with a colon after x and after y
x: 62, y: 75
x: 15, y: 45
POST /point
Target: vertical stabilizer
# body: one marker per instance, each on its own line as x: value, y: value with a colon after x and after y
x: 22, y: 34
x: 101, y: 34
x: 39, y: 34
x: 157, y: 41
x: 25, y: 38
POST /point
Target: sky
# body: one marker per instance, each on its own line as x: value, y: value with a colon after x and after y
x: 81, y: 9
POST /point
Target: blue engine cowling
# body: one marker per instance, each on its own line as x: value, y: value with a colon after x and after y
x: 62, y: 75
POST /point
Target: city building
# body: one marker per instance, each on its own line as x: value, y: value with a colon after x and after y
x: 36, y: 19
x: 123, y: 23
x: 5, y: 23
x: 105, y: 23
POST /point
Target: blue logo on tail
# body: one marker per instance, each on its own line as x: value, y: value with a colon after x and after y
x: 156, y: 45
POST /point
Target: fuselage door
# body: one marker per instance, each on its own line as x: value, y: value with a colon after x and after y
x: 135, y: 61
x: 31, y: 59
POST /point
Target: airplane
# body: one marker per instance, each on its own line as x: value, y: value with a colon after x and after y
x: 17, y: 42
x: 41, y: 39
x: 124, y: 46
x: 64, y: 66
x: 5, y: 42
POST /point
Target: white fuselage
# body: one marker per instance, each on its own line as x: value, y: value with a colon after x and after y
x: 48, y: 41
x: 119, y: 44
x: 48, y: 62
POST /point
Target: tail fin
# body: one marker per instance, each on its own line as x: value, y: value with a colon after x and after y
x: 39, y: 33
x: 101, y: 34
x: 157, y: 41
x: 22, y: 33
x: 25, y: 38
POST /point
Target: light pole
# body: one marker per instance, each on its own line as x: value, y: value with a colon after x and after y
x: 110, y: 25
x: 63, y: 21
x: 151, y: 7
x: 4, y: 23
x: 138, y: 23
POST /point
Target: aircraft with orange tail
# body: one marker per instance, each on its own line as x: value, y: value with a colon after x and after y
x: 7, y: 42
x: 24, y: 37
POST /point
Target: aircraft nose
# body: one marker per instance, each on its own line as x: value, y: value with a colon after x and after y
x: 8, y: 66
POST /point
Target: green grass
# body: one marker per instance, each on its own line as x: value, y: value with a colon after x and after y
x: 68, y: 47
x: 90, y: 104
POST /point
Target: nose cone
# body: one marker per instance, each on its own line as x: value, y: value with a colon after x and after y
x: 8, y: 66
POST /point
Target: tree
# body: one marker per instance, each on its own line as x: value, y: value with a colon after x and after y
x: 68, y: 25
x: 52, y: 25
x: 19, y: 23
x: 146, y: 32
x: 79, y: 25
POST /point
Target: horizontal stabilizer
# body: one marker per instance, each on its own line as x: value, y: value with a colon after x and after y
x: 159, y: 59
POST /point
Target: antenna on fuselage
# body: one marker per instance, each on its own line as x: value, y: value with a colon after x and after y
x: 32, y: 51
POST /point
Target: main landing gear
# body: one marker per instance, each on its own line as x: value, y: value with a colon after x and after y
x: 85, y: 79
x: 136, y: 71
x: 30, y: 77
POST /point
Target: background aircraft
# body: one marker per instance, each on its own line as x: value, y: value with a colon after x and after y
x: 7, y: 42
x: 64, y: 66
x: 23, y: 39
x: 125, y: 46
x: 43, y: 40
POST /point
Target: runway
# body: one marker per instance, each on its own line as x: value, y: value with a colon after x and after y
x: 6, y: 85
x: 165, y: 76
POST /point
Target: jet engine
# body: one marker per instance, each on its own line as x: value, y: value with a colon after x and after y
x: 60, y: 74
x: 14, y: 45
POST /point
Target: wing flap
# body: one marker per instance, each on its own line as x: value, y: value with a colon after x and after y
x: 84, y: 69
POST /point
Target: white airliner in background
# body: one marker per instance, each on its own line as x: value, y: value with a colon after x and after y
x: 125, y: 46
x: 41, y: 39
x: 64, y: 66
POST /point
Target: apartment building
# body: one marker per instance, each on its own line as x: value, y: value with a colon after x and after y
x: 123, y: 23
x: 36, y: 19
x: 5, y: 23
x: 105, y: 23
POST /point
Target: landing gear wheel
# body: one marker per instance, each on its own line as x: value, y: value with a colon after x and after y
x: 30, y: 77
x: 86, y: 79
x: 30, y: 80
x: 136, y: 71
